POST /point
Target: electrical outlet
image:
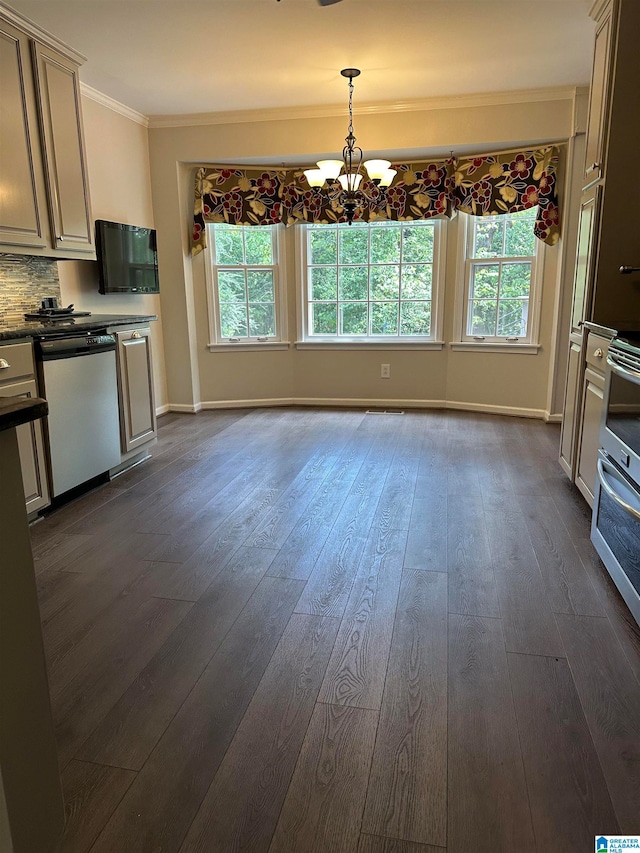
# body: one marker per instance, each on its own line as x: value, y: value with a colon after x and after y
x: 385, y: 371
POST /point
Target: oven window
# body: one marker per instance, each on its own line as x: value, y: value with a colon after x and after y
x: 623, y: 414
x: 621, y: 532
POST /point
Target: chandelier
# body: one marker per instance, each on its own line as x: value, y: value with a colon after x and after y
x: 343, y: 178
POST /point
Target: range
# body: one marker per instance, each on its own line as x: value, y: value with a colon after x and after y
x: 615, y: 529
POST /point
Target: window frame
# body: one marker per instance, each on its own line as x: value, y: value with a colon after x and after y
x: 466, y: 262
x: 217, y: 342
x: 305, y: 340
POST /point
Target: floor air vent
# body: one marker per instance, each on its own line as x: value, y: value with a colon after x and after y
x: 384, y: 412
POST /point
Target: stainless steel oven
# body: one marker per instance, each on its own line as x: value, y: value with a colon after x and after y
x: 615, y: 528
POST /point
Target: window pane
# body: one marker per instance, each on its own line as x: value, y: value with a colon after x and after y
x: 512, y: 317
x: 229, y: 246
x: 354, y: 245
x: 325, y: 319
x: 231, y: 286
x: 417, y: 243
x: 260, y: 285
x: 323, y: 242
x: 415, y: 318
x: 233, y: 319
x: 353, y: 318
x: 520, y: 237
x: 262, y: 319
x: 484, y: 282
x: 385, y: 282
x: 515, y: 280
x: 488, y: 236
x: 352, y: 283
x: 258, y: 245
x: 324, y: 283
x: 416, y: 281
x: 384, y: 318
x: 385, y: 245
x: 482, y: 320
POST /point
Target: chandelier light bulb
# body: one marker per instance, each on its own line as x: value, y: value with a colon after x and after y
x: 315, y: 177
x: 350, y: 182
x: 330, y: 168
x: 387, y: 177
x: 376, y: 168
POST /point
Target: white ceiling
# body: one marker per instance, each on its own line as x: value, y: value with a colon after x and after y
x: 171, y: 57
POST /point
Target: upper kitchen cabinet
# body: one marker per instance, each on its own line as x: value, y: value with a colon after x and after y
x: 614, y: 128
x: 45, y: 207
x: 604, y: 14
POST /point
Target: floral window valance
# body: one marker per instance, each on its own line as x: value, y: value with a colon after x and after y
x: 486, y: 185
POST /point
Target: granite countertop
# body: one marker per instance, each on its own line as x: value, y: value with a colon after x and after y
x: 13, y: 330
x: 621, y: 329
x: 16, y: 411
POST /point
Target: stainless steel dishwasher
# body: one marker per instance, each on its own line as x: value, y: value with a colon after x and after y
x: 78, y: 380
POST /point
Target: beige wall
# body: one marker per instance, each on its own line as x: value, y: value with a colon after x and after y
x: 120, y: 186
x: 195, y: 375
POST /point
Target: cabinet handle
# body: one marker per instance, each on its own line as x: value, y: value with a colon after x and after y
x: 4, y: 364
x: 598, y: 353
x: 135, y: 335
x: 628, y: 270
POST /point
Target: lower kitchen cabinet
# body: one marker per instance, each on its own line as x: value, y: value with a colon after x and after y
x: 31, y: 447
x: 572, y: 400
x: 592, y: 403
x: 135, y: 388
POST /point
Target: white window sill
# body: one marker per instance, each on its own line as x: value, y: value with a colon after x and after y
x: 494, y: 346
x: 248, y: 346
x: 369, y: 345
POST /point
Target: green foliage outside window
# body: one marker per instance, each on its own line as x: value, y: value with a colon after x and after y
x: 503, y: 248
x: 246, y: 281
x: 371, y: 279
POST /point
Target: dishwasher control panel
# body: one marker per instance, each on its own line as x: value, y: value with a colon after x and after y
x: 75, y: 345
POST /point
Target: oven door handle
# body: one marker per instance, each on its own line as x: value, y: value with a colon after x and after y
x: 624, y: 372
x: 603, y: 470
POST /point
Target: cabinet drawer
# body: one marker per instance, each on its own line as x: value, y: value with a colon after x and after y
x: 597, y: 349
x: 16, y: 361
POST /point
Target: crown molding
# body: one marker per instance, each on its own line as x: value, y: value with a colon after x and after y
x: 517, y: 96
x: 111, y: 104
x: 36, y: 32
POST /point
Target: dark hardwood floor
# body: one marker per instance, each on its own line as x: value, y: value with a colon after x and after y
x: 296, y: 630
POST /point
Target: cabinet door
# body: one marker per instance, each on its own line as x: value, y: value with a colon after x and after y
x: 135, y: 387
x: 31, y: 446
x: 596, y: 138
x: 63, y: 150
x: 592, y: 404
x: 571, y: 398
x: 21, y: 221
x: 583, y: 282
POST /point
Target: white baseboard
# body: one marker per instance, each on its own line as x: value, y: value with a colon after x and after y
x: 184, y: 407
x: 264, y: 403
x: 510, y: 411
x: 366, y: 402
x: 162, y: 410
x: 553, y: 417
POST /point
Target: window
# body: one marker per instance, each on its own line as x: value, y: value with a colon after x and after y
x: 501, y: 279
x: 243, y: 274
x: 375, y: 282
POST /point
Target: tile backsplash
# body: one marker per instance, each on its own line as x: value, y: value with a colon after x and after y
x: 24, y: 282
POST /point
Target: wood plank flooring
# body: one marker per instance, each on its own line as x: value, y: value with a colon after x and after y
x: 305, y: 630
